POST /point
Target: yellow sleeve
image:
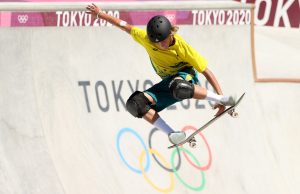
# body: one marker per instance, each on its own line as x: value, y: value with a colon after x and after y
x: 195, y: 59
x: 138, y: 35
x: 192, y: 56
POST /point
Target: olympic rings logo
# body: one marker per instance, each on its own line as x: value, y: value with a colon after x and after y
x: 170, y: 167
x: 22, y: 19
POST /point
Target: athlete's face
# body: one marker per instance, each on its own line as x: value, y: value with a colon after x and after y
x: 165, y: 44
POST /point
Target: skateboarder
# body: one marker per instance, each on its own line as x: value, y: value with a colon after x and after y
x: 176, y: 62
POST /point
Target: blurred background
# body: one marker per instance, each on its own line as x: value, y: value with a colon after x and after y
x: 65, y: 78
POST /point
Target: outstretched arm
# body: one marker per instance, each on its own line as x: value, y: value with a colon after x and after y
x: 98, y: 13
x: 213, y: 81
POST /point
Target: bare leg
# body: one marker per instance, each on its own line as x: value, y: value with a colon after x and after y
x: 174, y: 137
x: 151, y: 116
x: 203, y: 93
x: 221, y: 100
x: 199, y: 92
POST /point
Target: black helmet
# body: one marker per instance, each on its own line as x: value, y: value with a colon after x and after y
x: 158, y: 28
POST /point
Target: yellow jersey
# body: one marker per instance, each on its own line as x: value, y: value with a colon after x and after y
x: 170, y: 62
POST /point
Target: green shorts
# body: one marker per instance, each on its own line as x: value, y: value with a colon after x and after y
x: 161, y: 94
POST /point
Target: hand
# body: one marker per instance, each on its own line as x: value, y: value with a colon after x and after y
x: 220, y: 107
x: 93, y: 9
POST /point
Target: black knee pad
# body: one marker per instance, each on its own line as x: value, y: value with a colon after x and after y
x: 138, y: 104
x: 181, y: 89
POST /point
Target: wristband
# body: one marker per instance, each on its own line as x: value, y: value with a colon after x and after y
x: 123, y: 23
x: 98, y: 14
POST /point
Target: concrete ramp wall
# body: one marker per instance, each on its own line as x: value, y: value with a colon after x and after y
x: 64, y: 128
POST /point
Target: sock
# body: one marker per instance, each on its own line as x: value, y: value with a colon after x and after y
x: 215, y: 97
x: 162, y: 125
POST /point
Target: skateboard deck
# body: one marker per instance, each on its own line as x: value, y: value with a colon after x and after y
x: 230, y: 110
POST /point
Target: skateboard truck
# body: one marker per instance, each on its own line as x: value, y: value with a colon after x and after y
x: 233, y: 113
x: 193, y: 143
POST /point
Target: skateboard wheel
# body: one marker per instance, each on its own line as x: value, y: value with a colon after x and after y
x: 235, y: 114
x: 192, y: 144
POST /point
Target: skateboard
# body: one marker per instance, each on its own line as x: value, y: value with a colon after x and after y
x: 230, y: 110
